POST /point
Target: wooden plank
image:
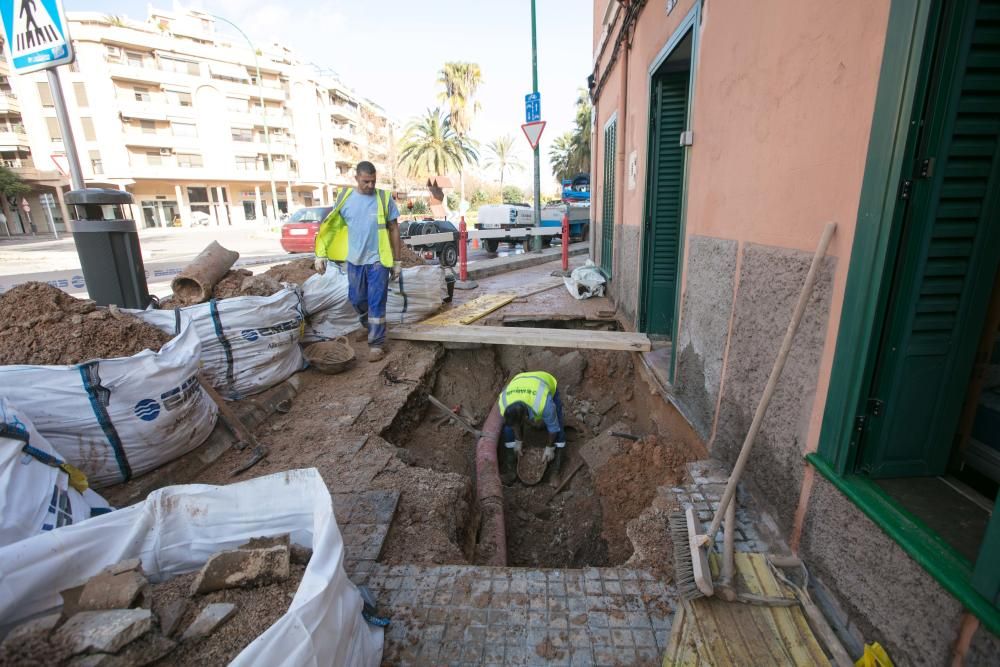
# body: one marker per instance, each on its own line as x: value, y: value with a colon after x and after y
x: 471, y: 310
x: 526, y: 336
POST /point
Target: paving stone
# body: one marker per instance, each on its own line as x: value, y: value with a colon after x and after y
x: 104, y: 631
x: 243, y: 568
x: 37, y: 625
x: 210, y: 618
x: 114, y: 591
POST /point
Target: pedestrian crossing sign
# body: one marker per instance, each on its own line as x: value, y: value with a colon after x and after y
x: 36, y: 34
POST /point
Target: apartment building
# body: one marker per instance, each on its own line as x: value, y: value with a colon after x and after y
x: 173, y: 112
x: 727, y: 136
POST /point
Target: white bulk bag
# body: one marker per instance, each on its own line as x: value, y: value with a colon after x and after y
x: 418, y: 294
x: 585, y: 281
x: 329, y: 312
x: 176, y: 529
x: 118, y: 418
x: 248, y: 343
x: 35, y: 495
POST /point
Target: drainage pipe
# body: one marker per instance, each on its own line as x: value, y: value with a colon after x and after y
x: 489, y: 492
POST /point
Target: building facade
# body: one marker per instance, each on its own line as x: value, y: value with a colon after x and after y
x: 173, y: 112
x: 726, y: 137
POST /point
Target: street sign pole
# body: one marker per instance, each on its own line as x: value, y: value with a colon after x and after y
x: 47, y: 203
x: 75, y: 173
x: 536, y: 241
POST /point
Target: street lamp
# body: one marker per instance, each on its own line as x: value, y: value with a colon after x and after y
x: 263, y: 115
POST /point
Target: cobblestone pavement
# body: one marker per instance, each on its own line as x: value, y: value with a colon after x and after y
x: 364, y: 520
x: 467, y: 615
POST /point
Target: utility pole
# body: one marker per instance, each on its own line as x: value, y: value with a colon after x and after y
x: 536, y: 241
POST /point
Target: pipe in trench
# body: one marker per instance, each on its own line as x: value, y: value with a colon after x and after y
x: 489, y: 492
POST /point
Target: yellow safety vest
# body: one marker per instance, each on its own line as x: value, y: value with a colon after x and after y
x: 533, y: 389
x: 331, y: 241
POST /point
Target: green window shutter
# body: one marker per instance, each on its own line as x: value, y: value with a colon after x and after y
x: 663, y: 224
x: 950, y: 247
x: 608, y: 203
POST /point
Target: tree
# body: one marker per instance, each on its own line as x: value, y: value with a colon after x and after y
x: 503, y: 156
x: 461, y: 81
x: 430, y: 146
x: 11, y: 185
x: 561, y: 155
x: 570, y: 153
x: 512, y: 195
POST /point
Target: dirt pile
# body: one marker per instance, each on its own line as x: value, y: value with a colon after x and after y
x: 41, y: 324
x: 240, y: 282
x: 627, y: 486
x: 296, y: 272
x: 408, y: 257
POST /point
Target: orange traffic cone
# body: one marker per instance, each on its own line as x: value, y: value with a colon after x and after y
x: 475, y: 244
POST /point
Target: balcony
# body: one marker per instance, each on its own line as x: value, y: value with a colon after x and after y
x: 346, y: 133
x: 275, y: 118
x: 9, y: 103
x: 14, y: 139
x: 145, y: 73
x: 160, y: 140
x: 344, y: 111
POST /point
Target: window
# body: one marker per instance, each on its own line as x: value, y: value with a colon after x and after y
x: 244, y: 163
x: 134, y: 58
x: 88, y: 129
x: 148, y: 126
x: 95, y: 163
x: 45, y: 94
x: 179, y: 66
x: 142, y: 94
x: 237, y: 104
x: 114, y: 54
x: 189, y: 160
x: 178, y: 98
x: 80, y: 91
x: 242, y: 134
x: 184, y: 129
x: 55, y: 134
x: 153, y: 158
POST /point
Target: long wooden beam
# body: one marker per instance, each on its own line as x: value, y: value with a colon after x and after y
x: 536, y: 337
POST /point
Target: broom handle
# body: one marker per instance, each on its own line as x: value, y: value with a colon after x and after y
x: 772, y: 381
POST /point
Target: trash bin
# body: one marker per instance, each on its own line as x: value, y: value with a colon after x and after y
x: 108, y: 245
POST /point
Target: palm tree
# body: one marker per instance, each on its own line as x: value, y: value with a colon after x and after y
x: 561, y: 156
x: 431, y: 146
x: 503, y: 156
x: 570, y: 153
x: 461, y: 81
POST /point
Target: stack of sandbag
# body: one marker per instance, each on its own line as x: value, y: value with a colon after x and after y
x: 36, y: 492
x: 121, y: 417
x: 328, y: 309
x: 248, y: 343
x: 419, y: 293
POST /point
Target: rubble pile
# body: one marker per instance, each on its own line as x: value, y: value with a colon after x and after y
x: 297, y: 271
x: 241, y: 282
x: 118, y: 619
x: 41, y: 325
x: 408, y: 257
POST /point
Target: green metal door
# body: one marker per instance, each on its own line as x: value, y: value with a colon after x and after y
x: 949, y: 249
x: 608, y: 200
x: 661, y: 234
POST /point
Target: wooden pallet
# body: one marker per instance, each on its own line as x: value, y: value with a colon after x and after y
x: 470, y: 311
x: 527, y: 336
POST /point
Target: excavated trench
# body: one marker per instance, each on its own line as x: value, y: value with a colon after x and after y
x: 588, y: 522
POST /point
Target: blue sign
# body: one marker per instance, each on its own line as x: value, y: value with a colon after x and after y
x: 532, y: 107
x: 36, y: 33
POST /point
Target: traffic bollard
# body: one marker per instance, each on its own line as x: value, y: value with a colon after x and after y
x: 463, y: 253
x: 565, y: 242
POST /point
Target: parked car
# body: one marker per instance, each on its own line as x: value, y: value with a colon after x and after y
x: 446, y: 251
x: 298, y: 234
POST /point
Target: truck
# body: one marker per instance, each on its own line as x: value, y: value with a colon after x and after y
x: 505, y: 217
x: 579, y: 218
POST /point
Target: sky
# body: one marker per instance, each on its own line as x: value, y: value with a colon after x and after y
x: 390, y: 51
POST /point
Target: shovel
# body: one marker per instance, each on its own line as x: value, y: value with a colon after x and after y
x: 244, y: 437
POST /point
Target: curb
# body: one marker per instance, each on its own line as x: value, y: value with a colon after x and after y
x: 525, y: 261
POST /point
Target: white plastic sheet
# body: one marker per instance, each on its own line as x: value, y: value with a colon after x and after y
x: 117, y: 418
x: 248, y: 343
x: 176, y: 529
x: 585, y: 281
x: 328, y: 309
x: 35, y: 495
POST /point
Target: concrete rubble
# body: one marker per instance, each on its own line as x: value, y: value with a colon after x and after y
x: 120, y: 586
x: 243, y: 568
x: 210, y: 618
x: 104, y: 631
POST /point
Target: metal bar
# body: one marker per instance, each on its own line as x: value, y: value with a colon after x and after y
x: 534, y: 89
x: 59, y: 102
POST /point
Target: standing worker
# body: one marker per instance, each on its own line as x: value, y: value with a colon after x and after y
x: 362, y: 230
x: 533, y: 398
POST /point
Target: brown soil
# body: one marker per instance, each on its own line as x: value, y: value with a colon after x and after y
x: 409, y: 258
x: 256, y: 610
x: 41, y: 324
x: 240, y: 282
x: 296, y: 272
x: 39, y: 649
x: 627, y: 485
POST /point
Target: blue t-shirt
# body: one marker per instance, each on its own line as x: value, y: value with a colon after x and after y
x: 360, y: 212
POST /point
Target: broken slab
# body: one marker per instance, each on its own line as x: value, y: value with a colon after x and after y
x: 42, y: 624
x: 267, y: 542
x: 108, y: 590
x: 171, y: 616
x: 104, y: 631
x: 210, y: 618
x: 300, y: 555
x: 243, y: 568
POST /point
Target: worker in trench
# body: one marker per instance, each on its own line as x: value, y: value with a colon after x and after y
x: 532, y: 399
x: 362, y: 230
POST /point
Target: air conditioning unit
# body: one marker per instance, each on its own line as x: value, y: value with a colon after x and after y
x: 165, y: 151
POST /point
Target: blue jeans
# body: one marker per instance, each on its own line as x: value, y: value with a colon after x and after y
x: 508, y: 432
x: 368, y: 290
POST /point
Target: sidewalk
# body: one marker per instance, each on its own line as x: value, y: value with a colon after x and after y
x: 491, y: 267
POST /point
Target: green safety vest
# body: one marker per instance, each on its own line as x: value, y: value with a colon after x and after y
x: 331, y: 241
x: 533, y: 388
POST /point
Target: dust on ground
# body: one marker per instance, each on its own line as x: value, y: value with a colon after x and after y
x: 408, y: 257
x: 41, y: 324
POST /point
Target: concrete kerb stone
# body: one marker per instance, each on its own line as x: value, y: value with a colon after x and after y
x: 492, y: 267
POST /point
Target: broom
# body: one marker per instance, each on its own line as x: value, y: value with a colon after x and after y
x: 691, y: 571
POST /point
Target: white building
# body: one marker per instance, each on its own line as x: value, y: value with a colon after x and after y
x: 172, y: 111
